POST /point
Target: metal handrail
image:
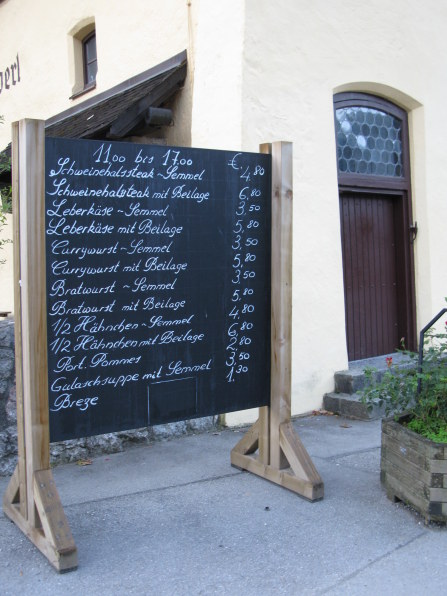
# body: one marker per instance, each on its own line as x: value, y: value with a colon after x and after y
x: 421, y: 343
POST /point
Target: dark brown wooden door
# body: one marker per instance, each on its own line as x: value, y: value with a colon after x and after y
x: 371, y: 273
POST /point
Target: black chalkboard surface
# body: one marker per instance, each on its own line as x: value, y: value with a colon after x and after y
x: 158, y: 284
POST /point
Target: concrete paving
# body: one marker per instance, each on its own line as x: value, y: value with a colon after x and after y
x: 175, y: 518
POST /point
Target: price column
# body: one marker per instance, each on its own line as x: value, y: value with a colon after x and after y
x: 245, y: 247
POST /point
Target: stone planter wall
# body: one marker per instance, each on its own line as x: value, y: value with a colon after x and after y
x: 414, y: 470
x: 74, y: 450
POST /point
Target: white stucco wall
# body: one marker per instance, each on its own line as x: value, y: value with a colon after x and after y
x: 217, y: 50
x: 296, y: 56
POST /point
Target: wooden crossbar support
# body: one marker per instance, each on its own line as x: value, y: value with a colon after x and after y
x: 271, y: 448
x: 31, y: 500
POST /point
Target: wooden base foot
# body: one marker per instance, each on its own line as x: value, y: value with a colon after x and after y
x: 300, y: 476
x: 53, y: 536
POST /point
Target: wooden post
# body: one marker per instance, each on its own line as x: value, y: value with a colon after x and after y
x: 31, y: 499
x: 271, y: 448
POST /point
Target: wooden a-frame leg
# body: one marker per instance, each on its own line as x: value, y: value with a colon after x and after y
x: 300, y: 476
x: 12, y: 494
x: 255, y: 439
x: 249, y: 442
x: 31, y: 500
x: 281, y: 456
x: 51, y: 534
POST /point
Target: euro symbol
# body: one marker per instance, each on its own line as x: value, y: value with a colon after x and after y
x: 233, y: 162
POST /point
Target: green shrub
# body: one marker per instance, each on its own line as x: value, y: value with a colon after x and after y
x: 422, y: 394
x: 5, y: 196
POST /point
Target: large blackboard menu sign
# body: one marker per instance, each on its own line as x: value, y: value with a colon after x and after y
x: 158, y: 284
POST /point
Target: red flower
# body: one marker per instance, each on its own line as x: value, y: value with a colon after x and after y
x: 389, y: 361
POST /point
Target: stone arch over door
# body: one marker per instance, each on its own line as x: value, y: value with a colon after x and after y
x: 375, y: 222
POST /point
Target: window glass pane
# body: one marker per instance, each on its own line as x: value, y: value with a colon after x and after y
x: 368, y: 142
x: 91, y: 70
x: 90, y: 61
x: 90, y: 49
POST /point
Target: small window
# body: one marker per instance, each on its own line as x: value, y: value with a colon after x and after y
x: 369, y: 141
x: 82, y: 57
x: 372, y: 141
x: 90, y: 59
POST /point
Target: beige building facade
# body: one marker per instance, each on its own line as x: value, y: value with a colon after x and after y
x: 259, y: 71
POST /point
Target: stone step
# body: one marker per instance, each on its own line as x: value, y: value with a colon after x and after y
x: 346, y: 399
x: 353, y: 379
x: 350, y: 406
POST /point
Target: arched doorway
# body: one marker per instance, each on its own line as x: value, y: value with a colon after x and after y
x: 376, y: 224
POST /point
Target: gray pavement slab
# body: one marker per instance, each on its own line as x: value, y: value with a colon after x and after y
x: 176, y: 518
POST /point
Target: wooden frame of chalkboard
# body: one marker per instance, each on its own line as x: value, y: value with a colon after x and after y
x: 31, y: 500
x: 271, y: 448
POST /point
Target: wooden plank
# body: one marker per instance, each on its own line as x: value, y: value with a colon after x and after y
x: 407, y: 453
x: 54, y: 540
x: 412, y: 469
x: 360, y: 313
x: 284, y: 478
x: 248, y: 462
x: 409, y: 486
x: 438, y: 494
x: 18, y: 319
x: 393, y: 487
x: 345, y: 221
x: 54, y: 522
x: 264, y: 435
x: 62, y: 562
x: 372, y: 324
x: 311, y: 488
x: 33, y: 300
x: 31, y: 498
x: 417, y: 465
x: 249, y: 442
x: 298, y: 458
x: 430, y: 510
x: 437, y: 466
x: 412, y: 440
x: 281, y: 320
x: 281, y: 456
x: 264, y: 413
x: 12, y: 496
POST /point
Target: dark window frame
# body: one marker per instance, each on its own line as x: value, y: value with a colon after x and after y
x: 87, y: 64
x: 344, y: 100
